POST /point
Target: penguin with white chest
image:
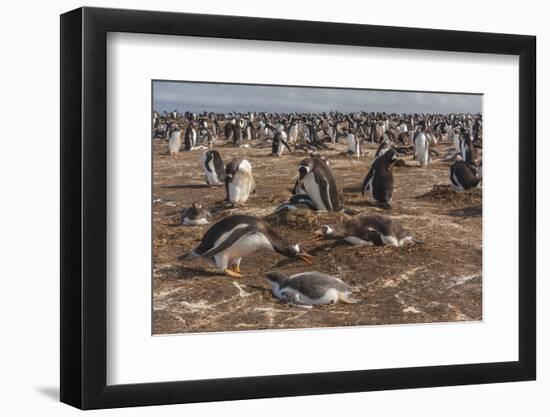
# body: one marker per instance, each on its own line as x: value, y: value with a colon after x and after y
x: 174, y: 139
x: 367, y: 230
x: 190, y: 140
x: 239, y: 181
x: 214, y: 168
x: 196, y: 215
x: 379, y: 180
x: 310, y: 288
x: 317, y: 180
x: 279, y: 143
x: 228, y: 241
x: 422, y: 149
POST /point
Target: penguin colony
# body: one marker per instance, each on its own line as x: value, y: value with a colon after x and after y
x: 236, y: 235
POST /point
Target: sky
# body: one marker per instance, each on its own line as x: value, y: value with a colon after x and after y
x: 223, y: 98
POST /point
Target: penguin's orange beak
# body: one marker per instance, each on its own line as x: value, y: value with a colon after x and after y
x: 318, y: 236
x: 306, y: 257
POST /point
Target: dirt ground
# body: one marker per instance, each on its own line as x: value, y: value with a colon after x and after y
x: 437, y: 281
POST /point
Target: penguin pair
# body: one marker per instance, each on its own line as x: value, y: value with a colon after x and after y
x: 214, y: 168
x: 317, y: 181
x: 228, y: 241
x: 239, y: 181
x: 195, y: 215
x: 367, y: 230
x: 310, y: 288
x: 379, y: 180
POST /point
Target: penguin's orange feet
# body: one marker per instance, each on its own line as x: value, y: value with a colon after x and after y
x: 236, y: 269
x: 231, y: 273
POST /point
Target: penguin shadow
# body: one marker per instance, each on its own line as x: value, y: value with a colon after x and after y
x: 352, y: 189
x: 186, y: 186
x: 475, y: 211
x: 195, y: 272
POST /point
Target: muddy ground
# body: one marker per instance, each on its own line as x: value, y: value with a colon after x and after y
x: 437, y: 281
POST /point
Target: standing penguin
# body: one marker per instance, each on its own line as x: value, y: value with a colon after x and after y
x: 279, y: 143
x: 463, y: 176
x: 226, y: 242
x: 310, y: 288
x: 228, y: 129
x: 174, y: 141
x: 214, y: 168
x: 467, y: 148
x: 379, y: 180
x: 317, y: 181
x: 238, y: 132
x: 354, y: 144
x: 422, y: 149
x: 239, y: 181
x: 293, y: 132
x: 190, y: 137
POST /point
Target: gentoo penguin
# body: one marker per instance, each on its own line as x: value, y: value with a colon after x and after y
x: 422, y: 149
x: 234, y: 237
x: 310, y: 288
x: 190, y: 137
x: 195, y: 215
x: 354, y: 144
x: 297, y: 201
x: 463, y: 176
x: 279, y: 143
x: 385, y: 146
x: 174, y: 141
x: 317, y: 181
x: 367, y: 230
x: 379, y: 180
x: 467, y: 148
x: 239, y: 181
x: 238, y: 132
x: 228, y: 129
x: 293, y: 132
x: 214, y: 169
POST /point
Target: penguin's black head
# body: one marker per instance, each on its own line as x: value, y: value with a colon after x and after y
x: 293, y: 251
x: 391, y: 156
x: 276, y: 277
x: 325, y: 232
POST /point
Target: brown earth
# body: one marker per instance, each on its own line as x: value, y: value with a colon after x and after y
x: 436, y: 281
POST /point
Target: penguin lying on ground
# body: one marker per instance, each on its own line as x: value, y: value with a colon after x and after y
x: 310, y: 288
x: 367, y: 230
x: 463, y: 176
x: 234, y: 237
x: 214, y: 169
x: 295, y: 202
x: 379, y: 180
x: 239, y: 181
x: 195, y: 215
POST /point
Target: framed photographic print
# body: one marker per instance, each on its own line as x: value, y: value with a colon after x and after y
x: 256, y: 208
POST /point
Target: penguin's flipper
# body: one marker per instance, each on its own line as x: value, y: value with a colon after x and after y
x: 230, y: 240
x: 366, y: 181
x: 324, y: 192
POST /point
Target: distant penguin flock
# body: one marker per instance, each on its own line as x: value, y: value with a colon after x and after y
x: 235, y: 236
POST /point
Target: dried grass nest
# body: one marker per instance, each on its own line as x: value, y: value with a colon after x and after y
x: 305, y: 219
x: 444, y: 193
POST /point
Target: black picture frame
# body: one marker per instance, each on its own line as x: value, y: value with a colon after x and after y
x: 84, y: 207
